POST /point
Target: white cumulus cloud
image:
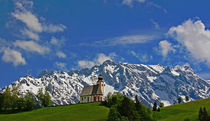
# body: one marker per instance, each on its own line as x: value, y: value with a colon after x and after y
x: 60, y: 54
x: 125, y: 40
x: 54, y: 41
x: 30, y: 34
x: 57, y: 42
x: 101, y: 58
x: 14, y: 57
x: 98, y: 60
x: 86, y: 63
x: 141, y: 57
x: 31, y: 29
x: 165, y: 47
x: 195, y: 37
x: 60, y: 65
x: 51, y: 28
x: 31, y: 46
x: 23, y: 12
x: 29, y: 19
x: 130, y: 2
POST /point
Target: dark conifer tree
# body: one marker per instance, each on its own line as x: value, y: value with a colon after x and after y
x: 186, y: 98
x: 154, y: 106
x: 200, y: 114
x: 179, y: 99
x: 205, y: 114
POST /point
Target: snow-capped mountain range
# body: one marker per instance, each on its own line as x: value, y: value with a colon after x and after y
x: 149, y: 82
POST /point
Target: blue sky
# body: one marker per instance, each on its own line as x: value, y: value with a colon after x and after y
x: 73, y: 34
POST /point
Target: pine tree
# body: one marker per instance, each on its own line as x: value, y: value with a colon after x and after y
x: 154, y: 106
x: 179, y: 99
x: 136, y: 100
x: 205, y: 114
x: 186, y: 98
x: 200, y: 114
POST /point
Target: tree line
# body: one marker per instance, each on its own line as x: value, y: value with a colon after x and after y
x: 13, y: 101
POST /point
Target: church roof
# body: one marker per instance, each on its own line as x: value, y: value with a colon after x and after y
x: 91, y: 90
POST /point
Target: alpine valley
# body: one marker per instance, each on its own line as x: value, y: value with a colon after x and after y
x: 149, y: 82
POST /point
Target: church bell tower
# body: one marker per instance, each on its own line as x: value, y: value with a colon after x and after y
x: 101, y: 83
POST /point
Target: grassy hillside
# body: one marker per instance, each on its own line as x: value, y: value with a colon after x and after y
x: 95, y: 112
x: 179, y: 112
x: 79, y: 112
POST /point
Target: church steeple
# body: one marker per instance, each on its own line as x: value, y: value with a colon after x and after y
x: 100, y: 77
x: 101, y: 83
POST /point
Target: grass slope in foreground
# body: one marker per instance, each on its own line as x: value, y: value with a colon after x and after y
x: 78, y: 112
x: 179, y: 112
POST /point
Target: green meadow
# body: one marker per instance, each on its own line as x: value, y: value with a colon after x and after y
x: 179, y: 112
x: 77, y: 112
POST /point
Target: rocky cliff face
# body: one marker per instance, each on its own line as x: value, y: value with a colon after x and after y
x: 149, y: 82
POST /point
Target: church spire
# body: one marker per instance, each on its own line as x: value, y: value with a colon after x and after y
x: 100, y: 77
